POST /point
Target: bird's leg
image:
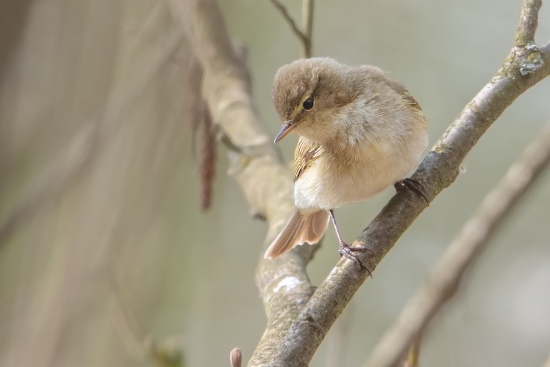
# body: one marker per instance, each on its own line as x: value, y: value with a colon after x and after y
x: 412, y: 185
x: 345, y: 249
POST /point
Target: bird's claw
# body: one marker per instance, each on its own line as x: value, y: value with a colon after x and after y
x: 350, y: 252
x: 412, y: 185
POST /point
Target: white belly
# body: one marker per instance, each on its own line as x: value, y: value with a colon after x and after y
x: 329, y: 184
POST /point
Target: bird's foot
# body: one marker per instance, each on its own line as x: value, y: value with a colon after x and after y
x: 350, y: 252
x: 412, y: 185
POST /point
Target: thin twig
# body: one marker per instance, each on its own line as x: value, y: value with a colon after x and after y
x: 286, y: 15
x: 307, y: 26
x: 463, y: 250
x: 528, y: 22
x: 307, y: 23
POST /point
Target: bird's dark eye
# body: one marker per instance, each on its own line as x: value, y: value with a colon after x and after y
x: 308, y: 104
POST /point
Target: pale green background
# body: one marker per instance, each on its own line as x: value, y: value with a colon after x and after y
x: 133, y: 214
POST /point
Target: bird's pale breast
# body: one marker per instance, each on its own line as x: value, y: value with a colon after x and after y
x: 368, y: 169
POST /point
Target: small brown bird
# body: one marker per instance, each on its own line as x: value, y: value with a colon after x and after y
x: 360, y: 133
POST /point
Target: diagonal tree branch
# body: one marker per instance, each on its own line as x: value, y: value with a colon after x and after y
x: 445, y: 278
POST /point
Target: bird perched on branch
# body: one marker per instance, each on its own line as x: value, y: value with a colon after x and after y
x: 360, y: 132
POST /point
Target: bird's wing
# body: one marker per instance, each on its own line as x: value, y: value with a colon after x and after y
x: 379, y: 76
x: 411, y: 101
x: 399, y: 88
x: 305, y: 154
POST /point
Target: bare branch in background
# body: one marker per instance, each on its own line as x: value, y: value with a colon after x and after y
x: 286, y: 15
x: 71, y: 162
x: 446, y: 275
x: 307, y: 24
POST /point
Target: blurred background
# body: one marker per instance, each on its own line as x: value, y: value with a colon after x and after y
x: 106, y: 253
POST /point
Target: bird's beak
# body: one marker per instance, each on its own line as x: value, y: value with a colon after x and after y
x: 288, y: 127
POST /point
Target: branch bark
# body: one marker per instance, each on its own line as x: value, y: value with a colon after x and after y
x: 295, y: 329
x: 446, y: 275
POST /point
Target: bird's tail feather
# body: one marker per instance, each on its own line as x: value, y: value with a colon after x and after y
x: 299, y: 229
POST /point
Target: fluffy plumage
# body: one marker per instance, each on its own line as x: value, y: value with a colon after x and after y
x: 364, y: 133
